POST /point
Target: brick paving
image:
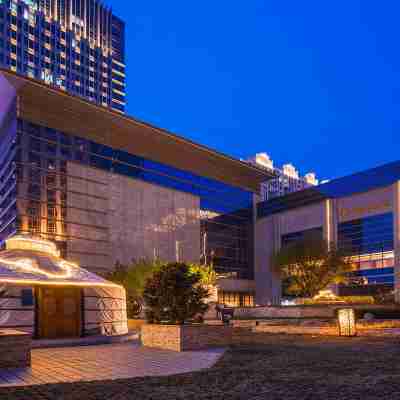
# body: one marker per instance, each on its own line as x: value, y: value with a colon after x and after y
x: 105, y: 362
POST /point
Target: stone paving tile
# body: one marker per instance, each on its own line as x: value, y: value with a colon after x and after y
x: 111, y: 361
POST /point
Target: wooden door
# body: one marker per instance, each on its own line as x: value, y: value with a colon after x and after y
x: 59, y: 312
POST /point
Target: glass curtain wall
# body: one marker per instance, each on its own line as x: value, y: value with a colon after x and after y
x: 370, y: 243
x: 8, y: 187
x: 42, y: 155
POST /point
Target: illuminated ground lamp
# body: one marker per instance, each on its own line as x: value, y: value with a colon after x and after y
x: 347, y: 322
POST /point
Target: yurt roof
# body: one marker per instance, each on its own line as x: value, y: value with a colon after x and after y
x: 28, y: 260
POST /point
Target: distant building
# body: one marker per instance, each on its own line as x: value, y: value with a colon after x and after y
x: 359, y: 214
x: 287, y: 179
x: 75, y: 45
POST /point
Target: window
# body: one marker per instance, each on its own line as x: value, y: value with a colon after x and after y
x: 236, y: 299
x: 367, y: 235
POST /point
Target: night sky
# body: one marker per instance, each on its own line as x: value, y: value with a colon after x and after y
x: 311, y: 82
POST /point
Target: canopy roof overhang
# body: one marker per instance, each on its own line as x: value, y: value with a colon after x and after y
x: 40, y: 104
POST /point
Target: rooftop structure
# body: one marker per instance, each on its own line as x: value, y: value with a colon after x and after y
x: 287, y: 179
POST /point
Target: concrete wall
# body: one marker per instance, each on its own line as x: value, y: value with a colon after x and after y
x: 116, y: 218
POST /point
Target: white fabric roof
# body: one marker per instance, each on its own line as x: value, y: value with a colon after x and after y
x: 37, y: 261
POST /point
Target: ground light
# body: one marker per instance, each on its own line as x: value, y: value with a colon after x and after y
x: 347, y: 322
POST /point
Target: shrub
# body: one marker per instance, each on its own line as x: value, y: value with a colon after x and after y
x: 208, y: 276
x: 174, y: 295
x: 133, y: 278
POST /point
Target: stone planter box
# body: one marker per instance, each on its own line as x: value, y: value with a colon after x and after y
x: 15, y: 349
x: 186, y: 337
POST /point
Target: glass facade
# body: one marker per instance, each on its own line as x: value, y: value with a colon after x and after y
x: 370, y: 243
x: 37, y: 159
x: 8, y: 180
x: 73, y: 45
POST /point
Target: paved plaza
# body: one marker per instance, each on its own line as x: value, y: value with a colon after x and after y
x: 105, y: 362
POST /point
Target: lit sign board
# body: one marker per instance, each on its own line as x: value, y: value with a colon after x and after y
x: 364, y: 210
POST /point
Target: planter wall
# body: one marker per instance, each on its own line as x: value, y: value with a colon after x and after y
x: 299, y: 327
x: 15, y: 349
x: 286, y: 312
x: 186, y: 337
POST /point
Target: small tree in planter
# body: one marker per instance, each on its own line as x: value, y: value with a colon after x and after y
x: 174, y: 295
x: 133, y: 278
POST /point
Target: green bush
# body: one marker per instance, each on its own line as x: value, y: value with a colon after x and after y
x: 133, y: 278
x: 208, y: 276
x: 174, y: 295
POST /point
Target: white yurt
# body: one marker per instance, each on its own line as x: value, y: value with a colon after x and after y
x: 51, y: 298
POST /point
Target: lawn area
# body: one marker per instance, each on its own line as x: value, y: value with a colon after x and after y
x: 282, y: 367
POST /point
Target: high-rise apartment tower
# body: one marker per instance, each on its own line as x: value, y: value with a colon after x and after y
x: 75, y: 45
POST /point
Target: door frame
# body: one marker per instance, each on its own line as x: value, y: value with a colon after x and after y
x: 38, y: 299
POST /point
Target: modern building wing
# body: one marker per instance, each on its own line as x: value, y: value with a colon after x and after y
x: 110, y: 188
x: 360, y: 213
x: 359, y: 182
x: 75, y: 45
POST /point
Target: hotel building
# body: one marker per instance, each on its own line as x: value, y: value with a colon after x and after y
x: 286, y: 180
x: 74, y: 45
x: 359, y: 213
x: 107, y: 188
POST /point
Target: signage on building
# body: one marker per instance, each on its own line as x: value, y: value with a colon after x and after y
x: 360, y: 211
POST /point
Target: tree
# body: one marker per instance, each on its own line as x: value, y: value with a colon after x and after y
x: 310, y: 265
x: 133, y: 278
x: 174, y: 295
x: 208, y: 276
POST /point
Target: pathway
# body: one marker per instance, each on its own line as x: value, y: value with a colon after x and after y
x: 104, y: 362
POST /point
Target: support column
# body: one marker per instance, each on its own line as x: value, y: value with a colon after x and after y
x: 396, y: 230
x: 327, y: 228
x: 330, y: 225
x: 267, y: 242
x: 330, y: 222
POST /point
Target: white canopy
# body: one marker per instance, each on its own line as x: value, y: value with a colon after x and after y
x: 36, y: 261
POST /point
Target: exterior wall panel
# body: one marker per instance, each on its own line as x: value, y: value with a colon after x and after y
x: 141, y: 220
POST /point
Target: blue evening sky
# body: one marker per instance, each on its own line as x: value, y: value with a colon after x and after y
x: 311, y: 82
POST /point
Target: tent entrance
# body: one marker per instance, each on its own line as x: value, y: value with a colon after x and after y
x: 59, y: 312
